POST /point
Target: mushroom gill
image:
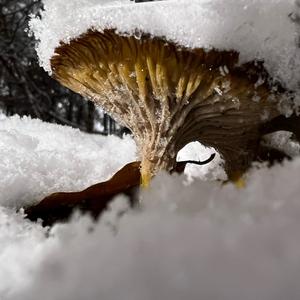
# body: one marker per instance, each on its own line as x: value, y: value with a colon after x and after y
x: 168, y: 95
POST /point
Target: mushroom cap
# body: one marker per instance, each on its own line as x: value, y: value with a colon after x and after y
x: 169, y: 95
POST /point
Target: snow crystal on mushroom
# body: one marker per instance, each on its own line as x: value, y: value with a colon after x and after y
x: 257, y: 29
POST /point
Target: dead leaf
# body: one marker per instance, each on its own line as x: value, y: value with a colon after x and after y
x: 59, y: 206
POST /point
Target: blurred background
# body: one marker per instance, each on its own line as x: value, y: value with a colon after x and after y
x: 26, y: 89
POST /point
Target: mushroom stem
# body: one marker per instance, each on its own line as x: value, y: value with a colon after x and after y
x: 160, y: 154
x: 146, y: 172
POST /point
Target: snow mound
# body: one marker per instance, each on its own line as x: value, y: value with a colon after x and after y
x: 257, y: 29
x: 202, y: 241
x: 38, y: 159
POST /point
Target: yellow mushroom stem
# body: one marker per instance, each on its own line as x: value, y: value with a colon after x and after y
x: 146, y: 174
x: 168, y: 95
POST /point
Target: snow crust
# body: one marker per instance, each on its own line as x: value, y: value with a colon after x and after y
x: 202, y: 241
x: 257, y: 29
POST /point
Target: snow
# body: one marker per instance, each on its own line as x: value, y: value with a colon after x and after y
x: 282, y: 141
x: 257, y: 29
x: 22, y: 244
x: 197, y: 152
x: 47, y: 158
x: 207, y: 240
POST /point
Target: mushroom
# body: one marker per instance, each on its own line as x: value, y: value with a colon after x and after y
x: 169, y: 95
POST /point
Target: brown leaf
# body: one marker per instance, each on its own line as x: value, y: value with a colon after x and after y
x: 59, y: 206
